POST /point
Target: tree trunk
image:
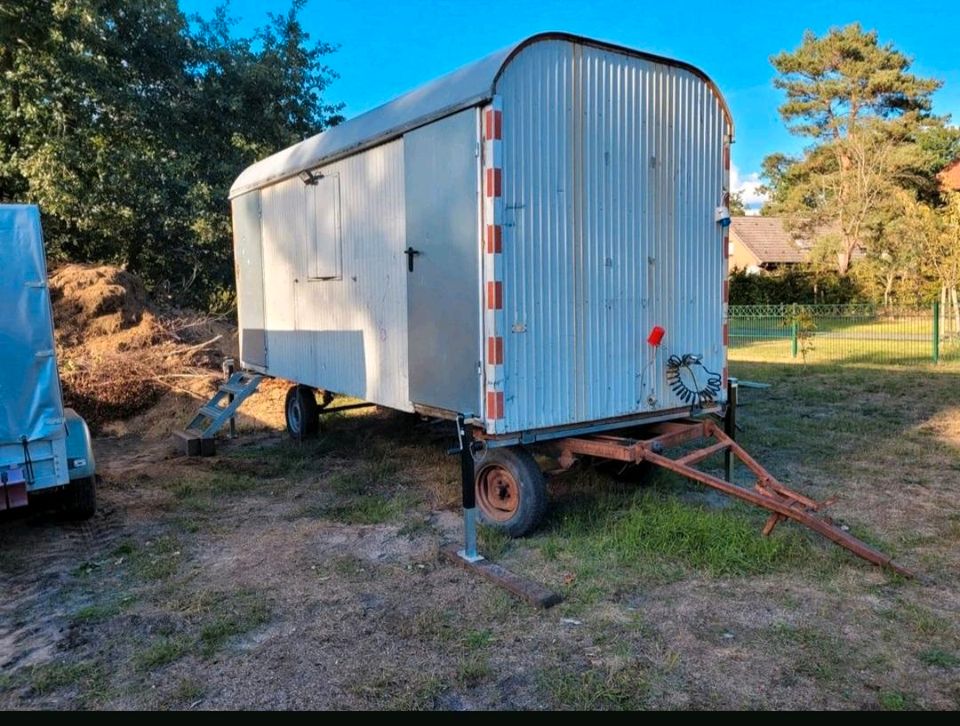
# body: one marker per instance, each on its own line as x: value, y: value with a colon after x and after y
x: 843, y: 259
x: 943, y: 310
x: 888, y: 288
x: 956, y: 310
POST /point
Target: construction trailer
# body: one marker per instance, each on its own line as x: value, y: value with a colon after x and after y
x: 44, y: 447
x: 534, y: 245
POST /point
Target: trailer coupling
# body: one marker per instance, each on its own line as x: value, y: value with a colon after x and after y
x: 767, y: 493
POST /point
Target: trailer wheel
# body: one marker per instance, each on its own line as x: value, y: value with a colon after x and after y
x: 80, y: 498
x: 511, y: 491
x: 301, y: 412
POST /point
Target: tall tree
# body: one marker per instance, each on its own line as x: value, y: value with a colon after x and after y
x: 942, y: 252
x: 127, y: 123
x: 863, y: 109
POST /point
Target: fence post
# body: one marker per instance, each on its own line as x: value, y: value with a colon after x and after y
x: 793, y: 330
x: 936, y: 331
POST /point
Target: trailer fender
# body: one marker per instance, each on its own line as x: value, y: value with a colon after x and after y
x: 80, y: 460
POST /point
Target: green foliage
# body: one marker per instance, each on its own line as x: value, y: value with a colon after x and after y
x: 652, y: 533
x: 939, y: 658
x: 239, y: 613
x: 127, y: 122
x: 161, y: 652
x: 736, y: 206
x: 874, y: 136
x: 795, y: 284
x: 834, y: 82
x: 595, y: 688
x: 804, y: 327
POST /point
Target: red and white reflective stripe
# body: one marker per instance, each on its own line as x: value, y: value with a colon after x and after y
x: 725, y: 265
x: 495, y: 350
x: 495, y: 295
x: 494, y: 405
x: 494, y: 238
x: 492, y: 248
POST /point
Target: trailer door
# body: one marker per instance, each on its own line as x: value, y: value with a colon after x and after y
x: 442, y: 175
x: 248, y: 252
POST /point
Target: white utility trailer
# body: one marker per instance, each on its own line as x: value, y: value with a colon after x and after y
x: 536, y: 242
x: 44, y: 447
x: 534, y: 245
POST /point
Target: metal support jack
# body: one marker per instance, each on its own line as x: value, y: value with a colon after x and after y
x: 468, y: 557
x: 730, y: 426
x: 469, y: 494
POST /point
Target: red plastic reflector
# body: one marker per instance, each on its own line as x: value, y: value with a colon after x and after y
x: 656, y: 335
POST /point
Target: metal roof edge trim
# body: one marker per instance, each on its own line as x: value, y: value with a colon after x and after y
x: 397, y: 131
x: 376, y: 140
x: 604, y: 45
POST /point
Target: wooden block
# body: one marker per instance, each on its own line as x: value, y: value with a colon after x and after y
x: 532, y: 592
x: 194, y: 444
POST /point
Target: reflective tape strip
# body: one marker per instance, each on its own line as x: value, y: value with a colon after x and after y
x: 494, y: 238
x: 492, y: 124
x: 492, y: 242
x: 493, y: 185
x: 494, y: 295
x: 494, y: 404
x: 495, y: 350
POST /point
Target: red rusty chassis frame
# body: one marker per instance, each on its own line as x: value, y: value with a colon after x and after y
x: 767, y: 492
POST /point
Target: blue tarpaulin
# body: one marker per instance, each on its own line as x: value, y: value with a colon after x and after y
x: 29, y: 385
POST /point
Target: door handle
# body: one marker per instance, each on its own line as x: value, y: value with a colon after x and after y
x: 410, y: 253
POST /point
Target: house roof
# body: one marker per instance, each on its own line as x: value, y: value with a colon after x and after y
x: 468, y: 86
x: 950, y: 176
x: 767, y: 238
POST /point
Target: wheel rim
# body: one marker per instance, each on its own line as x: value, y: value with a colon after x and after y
x: 498, y: 493
x: 295, y: 416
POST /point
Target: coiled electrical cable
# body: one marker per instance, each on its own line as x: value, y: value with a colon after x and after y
x: 694, y: 393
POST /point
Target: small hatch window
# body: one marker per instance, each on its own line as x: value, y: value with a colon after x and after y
x: 323, y: 228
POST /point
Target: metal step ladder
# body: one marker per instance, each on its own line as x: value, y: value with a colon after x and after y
x: 199, y: 436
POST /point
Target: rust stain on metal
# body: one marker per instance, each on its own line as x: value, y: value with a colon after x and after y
x: 767, y: 492
x: 498, y: 493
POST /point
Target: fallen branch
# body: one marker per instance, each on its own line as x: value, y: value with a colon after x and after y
x: 199, y: 346
x: 207, y: 374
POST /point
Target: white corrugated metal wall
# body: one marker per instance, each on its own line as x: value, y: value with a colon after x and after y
x: 612, y: 170
x: 347, y: 335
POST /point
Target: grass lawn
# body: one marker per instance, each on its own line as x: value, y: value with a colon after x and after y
x: 899, y: 341
x: 306, y: 576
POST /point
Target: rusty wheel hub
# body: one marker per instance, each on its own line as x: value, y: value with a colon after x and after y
x: 498, y: 493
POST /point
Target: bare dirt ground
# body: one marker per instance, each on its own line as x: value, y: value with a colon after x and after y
x: 285, y: 575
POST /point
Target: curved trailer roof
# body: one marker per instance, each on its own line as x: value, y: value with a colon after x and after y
x: 465, y: 87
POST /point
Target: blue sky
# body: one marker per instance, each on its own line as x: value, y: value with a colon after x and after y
x: 388, y: 47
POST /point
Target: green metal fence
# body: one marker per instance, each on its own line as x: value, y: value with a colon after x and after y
x: 842, y: 333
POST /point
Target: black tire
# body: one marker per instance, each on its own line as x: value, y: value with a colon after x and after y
x: 80, y: 498
x: 301, y: 412
x: 511, y: 490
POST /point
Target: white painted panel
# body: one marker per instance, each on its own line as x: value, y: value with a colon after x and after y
x: 612, y: 169
x: 323, y: 225
x: 348, y: 334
